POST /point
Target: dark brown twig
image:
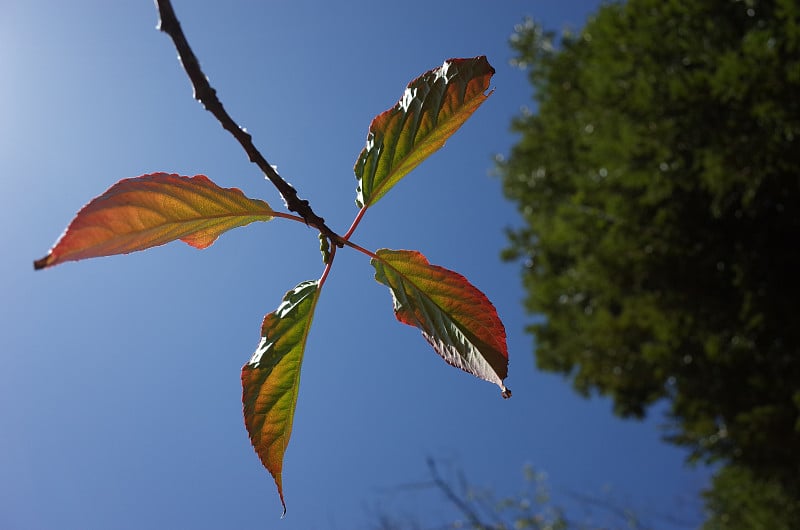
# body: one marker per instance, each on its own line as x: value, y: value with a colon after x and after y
x: 207, y: 96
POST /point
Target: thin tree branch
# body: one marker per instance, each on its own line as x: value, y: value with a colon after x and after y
x: 207, y: 96
x: 453, y: 497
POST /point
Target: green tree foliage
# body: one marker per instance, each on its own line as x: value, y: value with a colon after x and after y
x: 658, y: 177
x: 739, y: 500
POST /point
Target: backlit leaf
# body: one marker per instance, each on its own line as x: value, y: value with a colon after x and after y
x: 432, y: 108
x: 455, y: 318
x: 271, y: 379
x: 151, y: 210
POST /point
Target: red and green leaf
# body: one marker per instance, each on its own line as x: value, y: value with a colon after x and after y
x: 151, y: 210
x: 455, y: 317
x: 432, y: 108
x: 271, y: 379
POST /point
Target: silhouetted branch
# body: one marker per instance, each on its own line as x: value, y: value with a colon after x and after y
x: 627, y: 515
x: 451, y: 495
x: 207, y: 96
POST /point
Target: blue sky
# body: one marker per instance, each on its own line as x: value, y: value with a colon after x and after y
x: 120, y: 398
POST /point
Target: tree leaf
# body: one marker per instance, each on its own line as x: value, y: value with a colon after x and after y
x: 455, y: 317
x: 151, y: 210
x: 432, y: 108
x: 271, y: 379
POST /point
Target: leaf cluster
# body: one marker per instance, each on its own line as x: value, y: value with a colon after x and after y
x: 456, y: 319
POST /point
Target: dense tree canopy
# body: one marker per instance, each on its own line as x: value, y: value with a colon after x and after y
x: 659, y: 179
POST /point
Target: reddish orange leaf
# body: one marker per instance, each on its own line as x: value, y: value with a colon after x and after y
x: 271, y: 379
x: 432, y: 108
x: 455, y: 317
x: 151, y: 210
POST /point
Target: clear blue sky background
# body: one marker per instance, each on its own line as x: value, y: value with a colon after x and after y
x: 120, y: 399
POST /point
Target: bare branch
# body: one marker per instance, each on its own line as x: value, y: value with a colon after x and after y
x: 453, y: 497
x: 207, y: 96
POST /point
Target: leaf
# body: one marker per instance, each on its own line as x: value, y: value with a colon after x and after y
x: 271, y: 379
x: 151, y: 210
x: 455, y: 318
x: 432, y: 108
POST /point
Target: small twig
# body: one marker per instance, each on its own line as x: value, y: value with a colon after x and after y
x: 627, y: 514
x: 453, y: 497
x: 207, y: 96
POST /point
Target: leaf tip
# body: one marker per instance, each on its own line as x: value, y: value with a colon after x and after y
x: 278, y: 478
x: 43, y: 263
